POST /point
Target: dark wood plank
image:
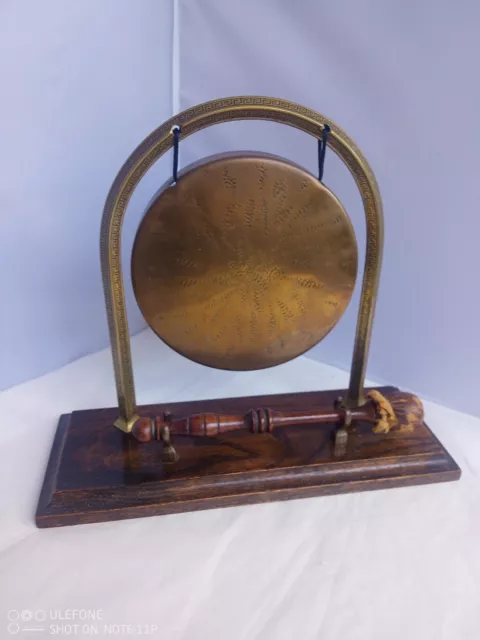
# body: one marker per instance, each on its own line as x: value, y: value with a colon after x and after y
x: 96, y: 473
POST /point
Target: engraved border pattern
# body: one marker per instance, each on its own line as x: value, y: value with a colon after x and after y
x: 158, y: 143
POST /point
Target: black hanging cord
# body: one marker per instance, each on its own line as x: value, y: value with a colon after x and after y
x: 322, y: 147
x: 176, y: 136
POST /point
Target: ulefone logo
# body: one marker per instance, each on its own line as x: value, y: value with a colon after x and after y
x: 71, y: 622
x: 26, y: 620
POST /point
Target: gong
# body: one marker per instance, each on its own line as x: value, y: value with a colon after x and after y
x: 246, y: 262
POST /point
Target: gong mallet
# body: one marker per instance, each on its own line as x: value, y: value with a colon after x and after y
x: 400, y: 411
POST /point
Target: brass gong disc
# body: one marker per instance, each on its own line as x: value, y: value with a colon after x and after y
x: 246, y: 262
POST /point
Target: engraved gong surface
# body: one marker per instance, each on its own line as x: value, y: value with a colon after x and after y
x: 246, y: 262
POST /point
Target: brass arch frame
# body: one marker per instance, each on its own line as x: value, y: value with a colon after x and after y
x: 160, y: 141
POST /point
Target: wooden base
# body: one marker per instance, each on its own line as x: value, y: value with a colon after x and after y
x: 97, y: 473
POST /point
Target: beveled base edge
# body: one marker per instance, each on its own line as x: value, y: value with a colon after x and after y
x: 45, y: 518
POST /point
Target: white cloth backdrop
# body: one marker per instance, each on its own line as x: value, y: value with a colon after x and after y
x: 386, y: 565
x: 399, y: 77
x: 82, y: 84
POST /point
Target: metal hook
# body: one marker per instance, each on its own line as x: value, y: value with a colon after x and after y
x: 341, y: 434
x: 175, y: 130
x: 322, y: 147
x: 169, y: 454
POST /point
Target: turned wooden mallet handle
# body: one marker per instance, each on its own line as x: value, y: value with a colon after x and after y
x: 399, y: 410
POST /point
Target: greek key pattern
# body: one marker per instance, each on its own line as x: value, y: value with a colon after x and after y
x: 158, y: 143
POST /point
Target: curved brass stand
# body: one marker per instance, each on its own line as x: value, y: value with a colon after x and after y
x: 160, y: 141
